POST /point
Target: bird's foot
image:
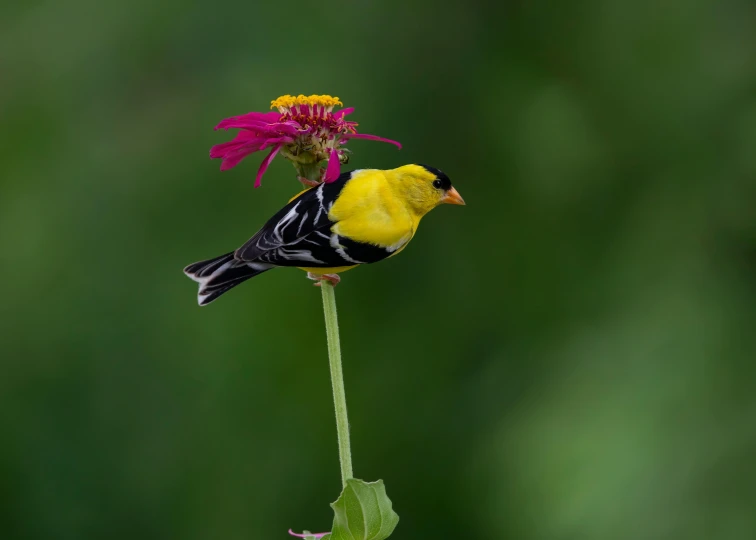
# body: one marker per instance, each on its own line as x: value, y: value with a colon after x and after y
x: 306, y: 182
x: 333, y: 279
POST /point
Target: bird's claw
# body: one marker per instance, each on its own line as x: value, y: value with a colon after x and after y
x: 333, y: 279
x: 307, y: 182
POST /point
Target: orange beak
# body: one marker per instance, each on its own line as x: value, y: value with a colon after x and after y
x: 453, y: 197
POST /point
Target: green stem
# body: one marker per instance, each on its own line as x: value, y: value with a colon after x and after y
x: 311, y: 171
x: 337, y: 380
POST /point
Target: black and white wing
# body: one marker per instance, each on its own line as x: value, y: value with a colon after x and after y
x: 300, y: 235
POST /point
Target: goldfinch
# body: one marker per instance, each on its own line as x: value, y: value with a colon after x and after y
x: 363, y: 217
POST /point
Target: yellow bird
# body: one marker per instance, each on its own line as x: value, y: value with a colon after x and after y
x: 363, y: 217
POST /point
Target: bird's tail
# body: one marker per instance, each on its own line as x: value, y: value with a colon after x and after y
x: 218, y: 275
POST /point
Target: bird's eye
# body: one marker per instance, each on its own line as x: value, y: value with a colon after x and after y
x: 437, y: 183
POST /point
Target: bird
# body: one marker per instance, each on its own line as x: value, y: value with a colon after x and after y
x: 362, y: 217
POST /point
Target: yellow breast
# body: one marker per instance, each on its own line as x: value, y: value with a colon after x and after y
x: 367, y: 210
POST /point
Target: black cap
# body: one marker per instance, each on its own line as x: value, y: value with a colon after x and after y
x: 440, y: 175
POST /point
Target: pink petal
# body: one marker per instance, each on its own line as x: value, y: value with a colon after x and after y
x: 334, y: 168
x: 318, y: 535
x: 343, y: 112
x: 262, y: 127
x: 291, y: 123
x: 265, y: 163
x: 268, y: 128
x: 233, y: 152
x: 348, y: 136
x: 267, y: 118
x: 244, y: 144
x: 232, y: 159
x: 243, y: 138
x: 276, y: 140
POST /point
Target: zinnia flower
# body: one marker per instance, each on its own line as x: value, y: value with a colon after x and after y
x: 305, y: 130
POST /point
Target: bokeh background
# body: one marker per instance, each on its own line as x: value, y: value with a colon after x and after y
x: 569, y: 356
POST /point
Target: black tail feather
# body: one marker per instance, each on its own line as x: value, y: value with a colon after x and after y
x: 218, y: 275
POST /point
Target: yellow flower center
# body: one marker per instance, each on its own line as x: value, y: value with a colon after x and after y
x: 285, y: 103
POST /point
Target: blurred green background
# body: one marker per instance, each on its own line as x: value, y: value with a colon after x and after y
x: 569, y: 356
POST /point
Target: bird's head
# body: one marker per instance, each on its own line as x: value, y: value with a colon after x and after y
x: 423, y: 187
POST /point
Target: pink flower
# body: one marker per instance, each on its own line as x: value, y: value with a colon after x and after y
x: 317, y: 536
x: 305, y: 130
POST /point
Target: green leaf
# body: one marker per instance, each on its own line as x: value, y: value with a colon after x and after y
x: 363, y: 512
